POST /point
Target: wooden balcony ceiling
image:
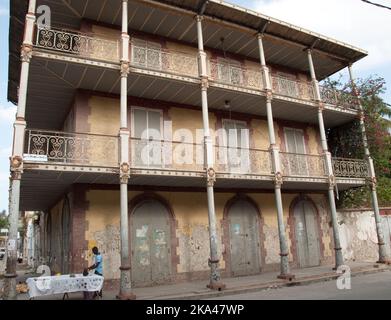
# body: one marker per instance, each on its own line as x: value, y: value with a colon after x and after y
x: 157, y: 17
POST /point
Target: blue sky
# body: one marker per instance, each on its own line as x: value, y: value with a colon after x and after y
x: 342, y: 20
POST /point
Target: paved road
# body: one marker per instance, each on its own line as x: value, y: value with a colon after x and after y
x: 373, y: 287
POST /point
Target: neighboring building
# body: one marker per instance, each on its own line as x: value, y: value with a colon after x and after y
x: 112, y: 120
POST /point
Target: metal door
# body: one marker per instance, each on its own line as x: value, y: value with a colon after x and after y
x: 244, y: 238
x: 307, y: 234
x: 386, y: 223
x: 151, y: 251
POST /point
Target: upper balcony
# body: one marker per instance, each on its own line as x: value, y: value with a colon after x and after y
x: 184, y: 66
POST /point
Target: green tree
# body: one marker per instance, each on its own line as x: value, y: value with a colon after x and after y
x: 3, y: 220
x: 346, y: 141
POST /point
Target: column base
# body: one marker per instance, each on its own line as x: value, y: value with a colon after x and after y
x: 289, y: 277
x: 218, y: 286
x: 126, y: 296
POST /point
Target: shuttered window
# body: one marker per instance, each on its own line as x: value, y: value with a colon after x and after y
x: 236, y: 143
x: 147, y: 134
x: 295, y: 145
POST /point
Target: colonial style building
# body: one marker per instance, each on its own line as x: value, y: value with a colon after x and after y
x: 185, y: 139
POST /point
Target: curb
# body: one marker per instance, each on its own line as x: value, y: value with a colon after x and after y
x: 269, y: 285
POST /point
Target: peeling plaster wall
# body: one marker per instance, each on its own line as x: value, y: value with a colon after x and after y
x: 357, y: 230
x: 192, y: 233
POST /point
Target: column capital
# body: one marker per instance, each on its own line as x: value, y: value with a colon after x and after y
x: 332, y: 181
x: 278, y: 179
x: 321, y: 107
x: 211, y: 177
x: 260, y: 35
x: 269, y: 95
x: 199, y: 18
x: 125, y: 68
x: 26, y: 52
x: 204, y: 83
x: 124, y: 173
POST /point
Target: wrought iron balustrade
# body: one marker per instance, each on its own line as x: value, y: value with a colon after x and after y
x: 183, y: 156
x: 166, y: 155
x: 302, y: 165
x: 339, y: 98
x: 235, y: 75
x: 235, y: 160
x: 72, y: 148
x: 293, y: 88
x: 78, y: 44
x: 350, y: 168
x: 164, y: 60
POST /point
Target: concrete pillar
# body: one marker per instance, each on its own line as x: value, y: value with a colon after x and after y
x: 383, y: 257
x: 329, y: 165
x: 16, y: 160
x: 215, y: 279
x: 125, y: 292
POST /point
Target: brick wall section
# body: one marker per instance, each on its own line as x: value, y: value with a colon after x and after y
x: 79, y: 244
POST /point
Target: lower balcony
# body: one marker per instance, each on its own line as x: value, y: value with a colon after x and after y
x: 155, y: 160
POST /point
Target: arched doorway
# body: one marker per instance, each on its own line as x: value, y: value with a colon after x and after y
x: 244, y: 240
x: 65, y: 235
x: 306, y: 233
x: 150, y: 243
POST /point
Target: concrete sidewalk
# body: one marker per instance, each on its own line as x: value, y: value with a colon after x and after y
x: 197, y: 289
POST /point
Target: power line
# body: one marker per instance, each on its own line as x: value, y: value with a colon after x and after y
x: 377, y: 4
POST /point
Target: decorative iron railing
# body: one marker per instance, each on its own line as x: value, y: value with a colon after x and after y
x: 235, y: 75
x: 292, y: 88
x: 164, y: 60
x: 231, y: 160
x: 350, y: 168
x: 182, y: 156
x: 166, y: 155
x: 79, y: 44
x: 338, y: 98
x: 302, y: 165
x: 72, y: 148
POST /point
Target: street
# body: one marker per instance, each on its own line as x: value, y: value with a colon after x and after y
x: 368, y: 287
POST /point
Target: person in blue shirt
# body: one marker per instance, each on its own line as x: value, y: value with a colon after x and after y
x: 98, y: 265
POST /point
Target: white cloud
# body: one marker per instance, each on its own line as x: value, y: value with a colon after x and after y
x: 7, y: 113
x: 352, y: 21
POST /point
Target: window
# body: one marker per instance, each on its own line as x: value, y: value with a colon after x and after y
x: 230, y: 71
x: 236, y: 146
x: 296, y: 158
x: 147, y: 135
x: 147, y: 54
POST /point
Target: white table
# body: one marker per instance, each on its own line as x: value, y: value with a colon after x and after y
x: 64, y: 284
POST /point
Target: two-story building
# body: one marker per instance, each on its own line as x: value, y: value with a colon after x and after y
x: 185, y: 139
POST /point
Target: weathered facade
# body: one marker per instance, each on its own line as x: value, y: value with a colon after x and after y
x: 128, y: 111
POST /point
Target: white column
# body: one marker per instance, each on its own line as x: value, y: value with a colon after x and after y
x: 383, y: 256
x: 125, y: 292
x: 16, y: 160
x: 276, y: 164
x: 215, y: 279
x: 329, y: 166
